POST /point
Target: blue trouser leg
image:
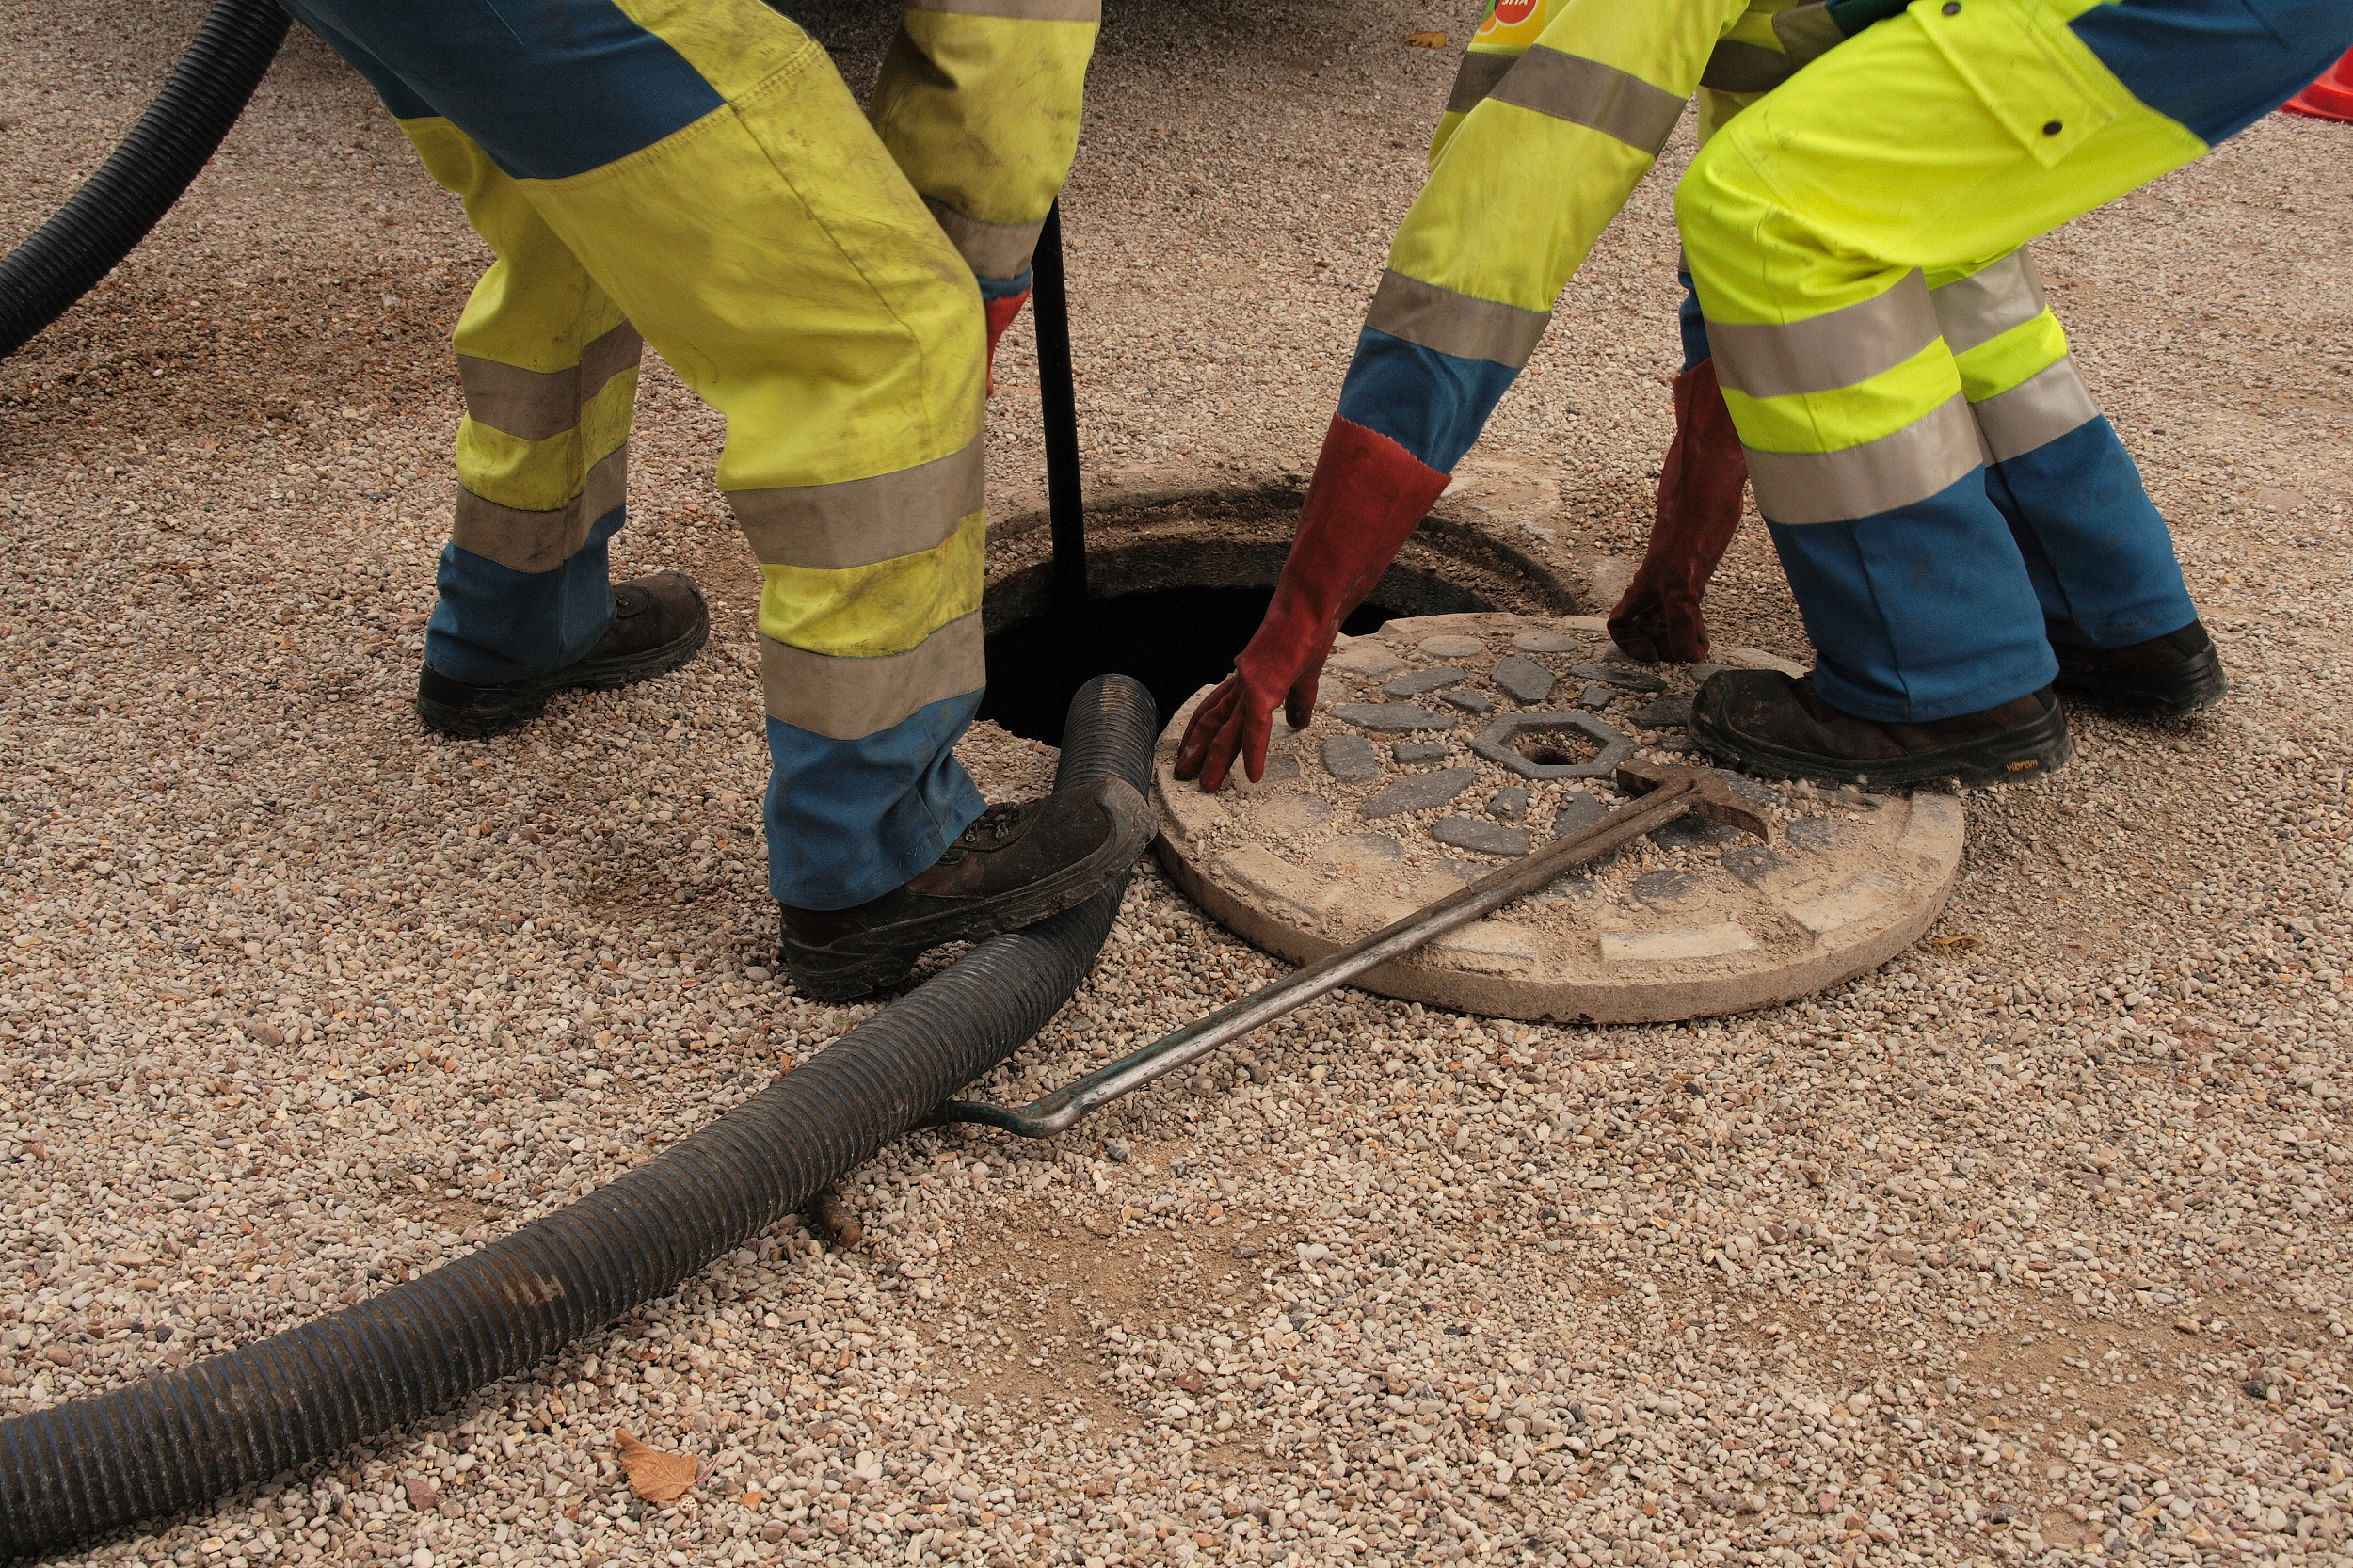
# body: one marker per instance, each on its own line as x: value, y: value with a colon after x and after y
x: 495, y: 624
x: 1923, y: 613
x: 2096, y: 550
x: 849, y: 821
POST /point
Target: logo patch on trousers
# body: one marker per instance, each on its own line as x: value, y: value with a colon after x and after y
x: 1509, y: 13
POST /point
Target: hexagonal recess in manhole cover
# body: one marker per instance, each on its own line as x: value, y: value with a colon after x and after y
x: 1427, y: 766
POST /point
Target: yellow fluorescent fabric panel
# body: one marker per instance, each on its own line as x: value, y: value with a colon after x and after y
x: 1848, y: 416
x: 780, y: 261
x: 982, y: 112
x: 1516, y: 205
x: 1932, y: 170
x: 2000, y: 363
x: 542, y: 475
x: 873, y: 611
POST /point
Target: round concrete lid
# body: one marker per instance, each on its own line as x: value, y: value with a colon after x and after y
x: 1444, y: 746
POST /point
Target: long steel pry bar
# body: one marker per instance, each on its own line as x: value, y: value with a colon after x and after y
x: 1665, y: 794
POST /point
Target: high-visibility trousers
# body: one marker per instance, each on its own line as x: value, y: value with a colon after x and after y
x: 1828, y: 228
x: 697, y: 172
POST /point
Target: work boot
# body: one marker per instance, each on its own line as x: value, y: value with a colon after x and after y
x: 2161, y: 678
x: 1766, y: 723
x: 1013, y: 866
x: 658, y: 623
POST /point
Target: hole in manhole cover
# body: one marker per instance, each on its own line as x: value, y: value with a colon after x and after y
x: 1557, y: 749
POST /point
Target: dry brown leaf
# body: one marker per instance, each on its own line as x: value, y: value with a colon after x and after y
x: 1426, y: 41
x: 657, y: 1477
x: 1961, y: 943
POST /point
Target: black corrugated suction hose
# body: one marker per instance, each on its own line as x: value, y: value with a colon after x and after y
x: 116, y: 207
x: 93, y: 1466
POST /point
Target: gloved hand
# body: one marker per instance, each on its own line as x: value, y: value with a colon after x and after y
x: 1658, y: 616
x: 1000, y: 313
x: 1368, y: 494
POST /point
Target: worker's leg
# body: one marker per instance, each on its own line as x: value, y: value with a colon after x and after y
x: 2099, y: 555
x: 711, y: 174
x: 979, y: 101
x: 1807, y: 222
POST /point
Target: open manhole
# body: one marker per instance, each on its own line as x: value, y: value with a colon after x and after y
x: 1174, y: 591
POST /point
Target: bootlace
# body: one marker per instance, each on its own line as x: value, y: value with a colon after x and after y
x: 993, y: 826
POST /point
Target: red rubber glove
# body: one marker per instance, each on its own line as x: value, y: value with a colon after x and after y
x: 1000, y: 313
x: 1368, y: 494
x: 1658, y: 616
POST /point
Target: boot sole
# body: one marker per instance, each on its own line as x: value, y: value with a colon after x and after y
x: 2176, y: 691
x: 843, y: 971
x: 2013, y: 757
x: 525, y: 700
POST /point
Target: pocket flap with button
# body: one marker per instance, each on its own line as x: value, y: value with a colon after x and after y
x: 2019, y: 58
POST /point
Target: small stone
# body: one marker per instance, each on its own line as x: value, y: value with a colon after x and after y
x: 1598, y: 698
x: 1668, y: 713
x: 2256, y: 1388
x: 1509, y: 804
x: 1481, y: 838
x: 1420, y: 751
x: 1351, y: 759
x: 1244, y: 1249
x: 1421, y: 682
x: 1816, y: 833
x: 1282, y: 768
x: 1469, y: 702
x: 421, y: 1494
x: 1752, y: 863
x: 1665, y: 888
x: 1453, y: 647
x: 1553, y: 642
x: 1625, y: 677
x: 1524, y: 679
x: 1115, y: 1153
x: 1576, y: 811
x: 1420, y: 792
x: 1389, y: 718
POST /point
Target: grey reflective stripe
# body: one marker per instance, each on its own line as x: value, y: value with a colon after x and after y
x: 1823, y: 353
x: 1476, y: 78
x: 1456, y: 323
x: 1736, y: 66
x: 2036, y: 411
x: 850, y: 699
x: 1586, y: 92
x: 990, y: 249
x: 859, y: 521
x: 1807, y: 32
x: 540, y: 541
x: 533, y: 404
x: 1935, y: 451
x: 1989, y: 302
x: 1020, y: 10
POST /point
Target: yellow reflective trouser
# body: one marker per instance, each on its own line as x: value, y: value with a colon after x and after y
x: 774, y: 253
x: 979, y: 101
x: 1854, y: 237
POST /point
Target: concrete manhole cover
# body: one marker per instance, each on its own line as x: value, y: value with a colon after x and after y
x: 1448, y: 745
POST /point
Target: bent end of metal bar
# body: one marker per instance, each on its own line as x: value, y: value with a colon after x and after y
x: 1041, y: 1119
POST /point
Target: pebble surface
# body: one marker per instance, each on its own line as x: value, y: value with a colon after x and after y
x: 2031, y: 1246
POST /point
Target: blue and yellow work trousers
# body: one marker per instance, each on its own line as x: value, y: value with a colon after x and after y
x: 1945, y: 500
x: 696, y: 172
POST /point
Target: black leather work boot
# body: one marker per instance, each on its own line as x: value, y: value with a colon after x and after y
x: 2161, y: 678
x: 1013, y: 866
x: 658, y: 623
x: 1766, y: 723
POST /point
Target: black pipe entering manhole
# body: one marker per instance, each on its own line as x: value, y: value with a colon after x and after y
x: 1172, y: 612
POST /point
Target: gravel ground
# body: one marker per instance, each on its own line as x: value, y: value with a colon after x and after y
x: 2031, y: 1246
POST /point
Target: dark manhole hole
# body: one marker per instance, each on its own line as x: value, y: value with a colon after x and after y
x: 1174, y: 610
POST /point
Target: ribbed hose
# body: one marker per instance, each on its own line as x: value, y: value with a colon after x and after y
x: 131, y: 192
x: 93, y: 1466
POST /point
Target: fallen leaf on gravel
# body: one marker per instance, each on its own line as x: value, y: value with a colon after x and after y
x: 657, y: 1477
x: 1426, y: 41
x: 1961, y: 943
